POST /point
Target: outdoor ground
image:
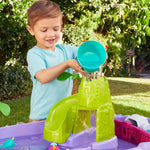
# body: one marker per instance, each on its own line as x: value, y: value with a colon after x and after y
x: 129, y: 96
x: 145, y: 75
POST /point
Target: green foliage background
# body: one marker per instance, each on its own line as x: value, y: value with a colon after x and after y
x: 121, y: 24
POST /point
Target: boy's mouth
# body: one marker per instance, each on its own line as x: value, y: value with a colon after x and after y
x: 50, y: 40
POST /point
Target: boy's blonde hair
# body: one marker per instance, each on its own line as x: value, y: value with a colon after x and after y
x: 43, y: 9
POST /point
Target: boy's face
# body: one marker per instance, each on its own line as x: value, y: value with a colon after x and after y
x: 47, y: 32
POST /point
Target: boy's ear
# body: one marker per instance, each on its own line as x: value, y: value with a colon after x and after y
x: 30, y: 29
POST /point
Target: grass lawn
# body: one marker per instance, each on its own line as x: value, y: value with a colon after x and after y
x: 19, y: 111
x: 129, y: 96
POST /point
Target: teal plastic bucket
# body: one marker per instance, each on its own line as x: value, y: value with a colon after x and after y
x: 91, y: 56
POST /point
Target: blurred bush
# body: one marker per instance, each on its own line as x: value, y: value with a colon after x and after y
x: 120, y: 24
x: 14, y: 81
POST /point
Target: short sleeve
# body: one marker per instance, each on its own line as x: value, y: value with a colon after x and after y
x: 74, y: 51
x: 35, y: 62
x: 70, y: 50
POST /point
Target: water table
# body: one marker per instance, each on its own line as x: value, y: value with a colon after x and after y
x: 83, y: 121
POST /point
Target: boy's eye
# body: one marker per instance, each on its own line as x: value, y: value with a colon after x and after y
x: 56, y: 29
x: 43, y: 30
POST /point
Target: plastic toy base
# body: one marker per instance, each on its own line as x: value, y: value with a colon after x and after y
x: 29, y: 136
x: 85, y: 140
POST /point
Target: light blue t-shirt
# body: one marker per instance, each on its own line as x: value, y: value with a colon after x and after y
x: 44, y: 96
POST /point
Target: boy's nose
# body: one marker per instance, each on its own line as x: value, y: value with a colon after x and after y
x: 50, y: 33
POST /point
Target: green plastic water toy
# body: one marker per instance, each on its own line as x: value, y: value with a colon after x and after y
x: 73, y: 114
x: 5, y: 109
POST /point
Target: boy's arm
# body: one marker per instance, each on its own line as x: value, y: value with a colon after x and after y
x: 49, y: 74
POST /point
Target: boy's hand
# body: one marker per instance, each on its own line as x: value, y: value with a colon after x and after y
x: 72, y: 63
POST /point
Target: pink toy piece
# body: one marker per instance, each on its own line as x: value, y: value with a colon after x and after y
x: 52, y: 148
x: 130, y: 133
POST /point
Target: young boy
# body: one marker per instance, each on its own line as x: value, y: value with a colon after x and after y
x: 47, y: 60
